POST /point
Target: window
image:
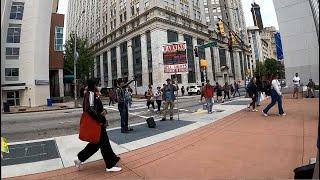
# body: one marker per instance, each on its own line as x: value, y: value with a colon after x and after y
x: 14, y: 32
x: 205, y: 2
x: 146, y: 3
x: 58, y: 42
x: 17, y: 10
x: 172, y: 36
x: 177, y: 78
x: 208, y: 19
x: 12, y: 53
x: 222, y: 55
x: 206, y: 10
x: 11, y: 74
x: 13, y: 98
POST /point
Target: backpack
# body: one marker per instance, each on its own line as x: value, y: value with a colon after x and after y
x: 268, y: 89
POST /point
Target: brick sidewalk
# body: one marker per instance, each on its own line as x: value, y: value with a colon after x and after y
x: 242, y: 145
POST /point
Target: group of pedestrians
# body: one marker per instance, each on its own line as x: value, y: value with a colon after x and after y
x: 164, y: 96
x: 226, y: 89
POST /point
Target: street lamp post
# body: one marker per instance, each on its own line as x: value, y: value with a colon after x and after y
x: 76, y: 57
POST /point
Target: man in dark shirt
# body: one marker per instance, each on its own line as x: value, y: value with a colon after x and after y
x: 122, y: 105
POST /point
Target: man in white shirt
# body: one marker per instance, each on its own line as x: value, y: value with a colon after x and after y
x: 276, y: 96
x: 296, y: 85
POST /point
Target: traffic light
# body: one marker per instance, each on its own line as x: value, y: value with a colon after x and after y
x: 196, y: 54
x: 233, y: 38
x: 220, y: 28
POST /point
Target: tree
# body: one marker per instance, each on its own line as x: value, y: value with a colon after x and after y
x: 85, y: 63
x: 271, y: 67
x: 260, y: 69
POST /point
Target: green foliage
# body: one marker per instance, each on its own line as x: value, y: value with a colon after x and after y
x: 260, y: 69
x: 85, y: 63
x: 269, y: 68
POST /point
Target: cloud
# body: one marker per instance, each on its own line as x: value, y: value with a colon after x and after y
x: 268, y: 13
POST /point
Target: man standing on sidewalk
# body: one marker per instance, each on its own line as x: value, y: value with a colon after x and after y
x: 296, y: 85
x: 123, y: 105
x: 208, y: 95
x: 168, y: 98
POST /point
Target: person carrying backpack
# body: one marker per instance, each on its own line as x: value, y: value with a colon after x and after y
x: 253, y: 91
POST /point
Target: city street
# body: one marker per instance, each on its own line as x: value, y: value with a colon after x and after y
x: 39, y: 125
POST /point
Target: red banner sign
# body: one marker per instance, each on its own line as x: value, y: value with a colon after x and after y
x: 175, y: 57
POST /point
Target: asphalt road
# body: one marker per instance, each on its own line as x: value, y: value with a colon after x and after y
x: 30, y: 126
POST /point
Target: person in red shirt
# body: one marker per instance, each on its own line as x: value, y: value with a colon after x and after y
x: 208, y: 91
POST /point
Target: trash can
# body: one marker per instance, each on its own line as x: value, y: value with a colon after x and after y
x: 6, y: 107
x: 49, y: 102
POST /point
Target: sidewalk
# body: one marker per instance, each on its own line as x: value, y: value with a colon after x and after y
x: 244, y: 145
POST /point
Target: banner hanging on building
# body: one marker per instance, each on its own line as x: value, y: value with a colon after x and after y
x: 278, y: 45
x: 175, y: 57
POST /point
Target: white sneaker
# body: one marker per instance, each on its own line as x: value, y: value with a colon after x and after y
x: 264, y: 114
x: 77, y: 163
x: 282, y: 114
x: 154, y: 110
x: 114, y: 169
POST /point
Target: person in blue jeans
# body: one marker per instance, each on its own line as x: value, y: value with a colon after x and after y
x: 276, y: 96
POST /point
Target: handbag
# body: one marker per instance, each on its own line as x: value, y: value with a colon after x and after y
x: 90, y: 129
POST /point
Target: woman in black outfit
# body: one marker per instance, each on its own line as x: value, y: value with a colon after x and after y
x: 94, y: 107
x: 253, y: 91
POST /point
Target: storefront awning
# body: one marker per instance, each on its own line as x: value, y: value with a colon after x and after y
x: 68, y: 78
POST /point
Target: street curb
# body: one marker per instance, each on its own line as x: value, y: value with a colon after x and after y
x: 18, y: 112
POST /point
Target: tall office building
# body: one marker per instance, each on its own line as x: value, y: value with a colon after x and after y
x: 25, y: 32
x: 256, y: 15
x: 298, y: 21
x: 229, y: 66
x: 128, y: 35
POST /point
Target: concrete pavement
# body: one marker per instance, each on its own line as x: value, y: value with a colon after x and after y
x: 241, y: 145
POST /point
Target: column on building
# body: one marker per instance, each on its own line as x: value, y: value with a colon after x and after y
x: 184, y: 76
x: 109, y: 69
x: 144, y: 61
x: 209, y: 68
x: 102, y: 71
x: 118, y: 61
x: 228, y: 58
x: 130, y: 59
x: 196, y: 63
x: 237, y: 68
x: 158, y: 38
x: 61, y: 85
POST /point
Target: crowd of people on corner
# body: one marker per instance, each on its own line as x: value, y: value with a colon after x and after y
x: 165, y: 96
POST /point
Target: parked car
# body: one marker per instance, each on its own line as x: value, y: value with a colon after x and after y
x: 196, y: 89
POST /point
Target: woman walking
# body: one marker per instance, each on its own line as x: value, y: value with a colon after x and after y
x: 276, y: 96
x: 150, y: 98
x: 226, y: 91
x: 158, y: 96
x: 253, y: 91
x: 94, y: 107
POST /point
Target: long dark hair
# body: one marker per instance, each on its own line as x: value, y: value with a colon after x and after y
x: 91, y: 83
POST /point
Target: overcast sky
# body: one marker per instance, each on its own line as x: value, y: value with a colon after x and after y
x: 268, y: 13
